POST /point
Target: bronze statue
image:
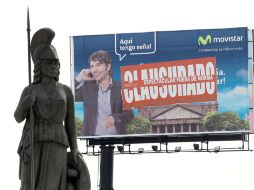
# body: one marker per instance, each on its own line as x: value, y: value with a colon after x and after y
x: 48, y: 107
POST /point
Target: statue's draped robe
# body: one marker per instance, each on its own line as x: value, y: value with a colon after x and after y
x: 50, y: 139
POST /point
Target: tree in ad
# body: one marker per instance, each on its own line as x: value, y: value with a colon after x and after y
x: 226, y: 121
x: 139, y: 125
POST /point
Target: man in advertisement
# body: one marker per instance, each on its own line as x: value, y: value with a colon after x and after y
x: 102, y: 99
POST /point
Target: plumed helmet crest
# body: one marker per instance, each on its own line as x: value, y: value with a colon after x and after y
x: 41, y: 47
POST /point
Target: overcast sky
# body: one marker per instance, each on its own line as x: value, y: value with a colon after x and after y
x: 179, y: 171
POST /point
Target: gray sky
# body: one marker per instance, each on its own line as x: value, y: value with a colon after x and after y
x: 180, y: 171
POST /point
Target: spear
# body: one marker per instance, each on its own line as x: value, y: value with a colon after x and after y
x: 28, y: 41
x: 31, y: 115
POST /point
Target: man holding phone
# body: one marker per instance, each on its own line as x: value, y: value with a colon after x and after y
x: 102, y: 99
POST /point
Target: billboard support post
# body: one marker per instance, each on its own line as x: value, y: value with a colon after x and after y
x: 106, y: 167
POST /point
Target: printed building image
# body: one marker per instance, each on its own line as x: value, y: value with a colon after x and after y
x: 177, y: 118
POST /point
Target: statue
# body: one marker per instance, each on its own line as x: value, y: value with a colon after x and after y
x: 48, y: 108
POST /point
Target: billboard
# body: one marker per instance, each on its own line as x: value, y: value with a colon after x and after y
x: 163, y: 82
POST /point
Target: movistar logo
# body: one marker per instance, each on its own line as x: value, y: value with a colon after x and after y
x: 203, y: 41
x: 216, y: 39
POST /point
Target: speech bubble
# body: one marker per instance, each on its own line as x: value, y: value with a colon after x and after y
x: 135, y: 44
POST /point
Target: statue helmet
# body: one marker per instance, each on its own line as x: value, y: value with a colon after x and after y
x: 41, y: 47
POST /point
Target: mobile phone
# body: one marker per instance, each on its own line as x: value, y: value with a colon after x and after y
x: 90, y: 75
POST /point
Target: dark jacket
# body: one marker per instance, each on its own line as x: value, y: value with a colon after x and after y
x: 88, y: 93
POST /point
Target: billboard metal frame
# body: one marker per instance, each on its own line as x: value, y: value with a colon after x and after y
x: 107, y: 146
x: 162, y: 141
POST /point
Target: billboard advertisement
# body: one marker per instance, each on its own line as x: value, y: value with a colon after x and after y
x: 163, y: 82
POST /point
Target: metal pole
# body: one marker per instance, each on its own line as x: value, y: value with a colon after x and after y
x: 106, y: 167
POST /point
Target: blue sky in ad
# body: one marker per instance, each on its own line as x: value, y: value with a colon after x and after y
x: 229, y: 46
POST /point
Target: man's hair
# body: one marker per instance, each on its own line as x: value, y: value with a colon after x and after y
x: 102, y: 56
